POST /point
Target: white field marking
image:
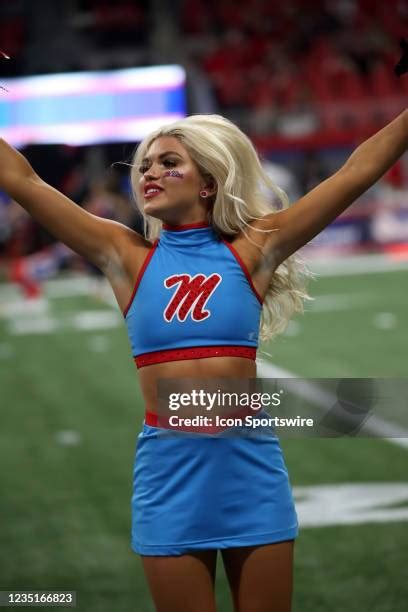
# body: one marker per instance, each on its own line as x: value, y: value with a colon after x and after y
x: 98, y: 288
x: 9, y: 292
x: 345, y: 265
x: 35, y: 325
x: 104, y: 293
x: 24, y: 308
x: 98, y: 344
x: 68, y: 287
x: 338, y: 301
x: 85, y: 320
x: 68, y: 437
x: 62, y: 288
x: 293, y: 328
x: 385, y: 320
x: 375, y: 425
x: 95, y: 319
x: 351, y: 504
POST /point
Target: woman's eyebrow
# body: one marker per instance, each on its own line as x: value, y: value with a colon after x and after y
x: 162, y: 155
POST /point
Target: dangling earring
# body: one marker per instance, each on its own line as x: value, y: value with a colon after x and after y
x: 203, y: 194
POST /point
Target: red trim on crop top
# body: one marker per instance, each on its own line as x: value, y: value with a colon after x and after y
x: 194, y: 352
x: 139, y: 276
x: 244, y: 268
x: 187, y: 226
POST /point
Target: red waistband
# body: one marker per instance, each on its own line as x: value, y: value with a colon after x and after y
x: 197, y: 352
x: 151, y: 418
x: 162, y: 421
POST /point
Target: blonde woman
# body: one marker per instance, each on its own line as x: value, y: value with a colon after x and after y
x: 214, y: 258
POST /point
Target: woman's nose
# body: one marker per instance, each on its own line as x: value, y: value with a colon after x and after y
x: 152, y: 172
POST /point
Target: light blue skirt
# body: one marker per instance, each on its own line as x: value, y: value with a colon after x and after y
x: 201, y: 491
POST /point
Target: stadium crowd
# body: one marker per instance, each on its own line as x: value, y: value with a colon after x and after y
x: 300, y: 66
x: 274, y: 68
x: 292, y: 67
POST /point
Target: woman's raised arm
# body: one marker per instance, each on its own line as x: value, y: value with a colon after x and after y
x: 308, y: 216
x: 96, y: 239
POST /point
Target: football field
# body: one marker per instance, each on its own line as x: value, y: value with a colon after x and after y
x: 71, y: 408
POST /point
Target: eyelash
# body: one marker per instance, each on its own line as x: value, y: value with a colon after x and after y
x: 142, y: 169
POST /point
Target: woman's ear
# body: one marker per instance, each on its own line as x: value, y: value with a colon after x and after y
x: 211, y: 186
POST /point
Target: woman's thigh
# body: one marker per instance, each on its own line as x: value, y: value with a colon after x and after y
x: 182, y: 583
x: 260, y: 577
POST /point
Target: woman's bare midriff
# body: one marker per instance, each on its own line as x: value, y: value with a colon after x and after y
x: 210, y: 367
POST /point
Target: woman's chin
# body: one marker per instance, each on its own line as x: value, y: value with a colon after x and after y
x: 159, y: 211
x: 153, y: 210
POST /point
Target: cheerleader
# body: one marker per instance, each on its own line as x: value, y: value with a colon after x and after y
x: 215, y: 271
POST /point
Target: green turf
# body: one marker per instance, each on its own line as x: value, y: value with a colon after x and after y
x: 346, y: 342
x: 65, y: 511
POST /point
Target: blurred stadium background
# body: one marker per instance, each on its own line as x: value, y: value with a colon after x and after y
x: 308, y: 81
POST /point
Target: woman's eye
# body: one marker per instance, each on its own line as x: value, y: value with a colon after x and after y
x: 167, y: 163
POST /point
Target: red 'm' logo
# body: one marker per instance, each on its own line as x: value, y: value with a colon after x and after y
x: 192, y: 295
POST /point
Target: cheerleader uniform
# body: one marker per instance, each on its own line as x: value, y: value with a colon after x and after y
x: 194, y: 298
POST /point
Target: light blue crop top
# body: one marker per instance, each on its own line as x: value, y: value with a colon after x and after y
x: 193, y: 298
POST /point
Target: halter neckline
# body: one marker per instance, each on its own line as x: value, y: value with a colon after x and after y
x: 186, y: 226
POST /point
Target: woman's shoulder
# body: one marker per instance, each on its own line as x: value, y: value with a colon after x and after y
x: 128, y: 238
x: 253, y: 237
x: 131, y: 250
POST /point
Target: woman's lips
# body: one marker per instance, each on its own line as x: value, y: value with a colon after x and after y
x: 152, y: 194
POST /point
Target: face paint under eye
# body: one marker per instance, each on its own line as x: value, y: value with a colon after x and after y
x: 174, y: 173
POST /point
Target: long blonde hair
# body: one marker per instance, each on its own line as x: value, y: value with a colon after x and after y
x: 225, y: 154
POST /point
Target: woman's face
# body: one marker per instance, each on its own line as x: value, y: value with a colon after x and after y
x: 169, y: 167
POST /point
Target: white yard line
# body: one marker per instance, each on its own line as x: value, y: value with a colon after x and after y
x: 338, y: 301
x: 377, y: 426
x: 345, y: 265
x: 351, y: 503
x: 85, y: 320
